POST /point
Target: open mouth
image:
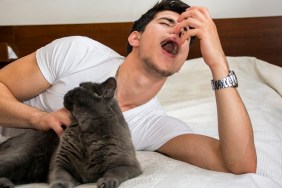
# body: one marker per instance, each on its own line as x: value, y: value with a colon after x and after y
x: 170, y: 47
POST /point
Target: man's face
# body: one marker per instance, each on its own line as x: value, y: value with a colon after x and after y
x: 160, y: 48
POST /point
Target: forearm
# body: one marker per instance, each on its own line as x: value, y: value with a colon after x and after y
x: 14, y: 113
x: 235, y: 128
x: 235, y: 151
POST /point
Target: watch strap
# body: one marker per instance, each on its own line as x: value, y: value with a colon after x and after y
x: 229, y: 81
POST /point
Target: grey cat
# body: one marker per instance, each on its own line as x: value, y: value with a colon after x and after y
x: 97, y: 148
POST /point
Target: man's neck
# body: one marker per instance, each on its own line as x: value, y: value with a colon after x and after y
x: 135, y: 86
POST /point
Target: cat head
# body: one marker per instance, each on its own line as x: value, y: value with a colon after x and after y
x: 90, y: 94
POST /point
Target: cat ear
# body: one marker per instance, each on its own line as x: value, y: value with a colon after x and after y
x: 109, y: 87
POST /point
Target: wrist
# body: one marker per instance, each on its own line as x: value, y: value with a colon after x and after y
x: 229, y: 81
x: 219, y: 70
x: 35, y: 118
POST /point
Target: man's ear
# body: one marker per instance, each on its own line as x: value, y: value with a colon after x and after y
x: 133, y: 38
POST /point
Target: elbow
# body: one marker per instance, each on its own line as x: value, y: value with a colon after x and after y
x: 252, y: 167
x: 244, y: 168
x: 243, y: 164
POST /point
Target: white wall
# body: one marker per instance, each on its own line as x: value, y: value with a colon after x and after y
x: 30, y: 12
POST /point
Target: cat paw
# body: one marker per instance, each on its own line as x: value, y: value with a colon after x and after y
x: 61, y: 184
x: 107, y: 183
x: 6, y: 183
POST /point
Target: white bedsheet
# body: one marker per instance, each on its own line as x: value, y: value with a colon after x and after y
x: 188, y: 96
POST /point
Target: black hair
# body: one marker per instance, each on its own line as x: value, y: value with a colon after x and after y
x: 172, y: 5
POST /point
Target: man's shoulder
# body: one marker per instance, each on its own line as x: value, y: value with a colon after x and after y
x: 78, y: 40
x: 79, y: 46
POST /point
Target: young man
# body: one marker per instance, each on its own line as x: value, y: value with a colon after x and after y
x: 158, y: 47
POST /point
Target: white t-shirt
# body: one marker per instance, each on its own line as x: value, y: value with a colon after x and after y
x: 67, y: 62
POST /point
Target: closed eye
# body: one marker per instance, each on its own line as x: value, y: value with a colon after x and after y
x: 167, y: 21
x: 166, y: 24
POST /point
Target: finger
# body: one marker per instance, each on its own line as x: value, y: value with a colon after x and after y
x: 58, y: 129
x: 178, y: 27
x: 184, y: 15
x: 203, y: 10
x: 187, y: 35
x: 190, y: 22
x: 64, y: 110
x: 198, y: 13
x: 65, y: 117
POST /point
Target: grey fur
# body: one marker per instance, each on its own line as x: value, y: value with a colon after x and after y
x: 97, y: 148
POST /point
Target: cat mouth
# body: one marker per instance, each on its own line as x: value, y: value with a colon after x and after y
x: 170, y: 46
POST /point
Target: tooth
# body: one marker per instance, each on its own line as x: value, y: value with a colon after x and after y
x: 174, y: 52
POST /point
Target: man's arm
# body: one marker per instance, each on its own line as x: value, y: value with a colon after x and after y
x: 22, y: 80
x: 235, y: 150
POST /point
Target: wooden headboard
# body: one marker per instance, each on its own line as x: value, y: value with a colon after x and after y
x: 260, y: 37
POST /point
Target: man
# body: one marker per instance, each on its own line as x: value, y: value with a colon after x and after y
x: 158, y: 47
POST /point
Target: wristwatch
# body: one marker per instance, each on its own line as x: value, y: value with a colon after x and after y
x: 229, y: 81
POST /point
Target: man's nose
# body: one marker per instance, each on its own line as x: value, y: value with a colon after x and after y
x: 181, y: 32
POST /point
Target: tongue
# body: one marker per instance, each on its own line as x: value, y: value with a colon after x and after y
x: 170, y: 48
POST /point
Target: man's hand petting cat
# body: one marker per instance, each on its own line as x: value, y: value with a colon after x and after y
x: 56, y: 120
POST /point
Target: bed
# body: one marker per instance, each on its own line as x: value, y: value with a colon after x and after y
x: 253, y: 47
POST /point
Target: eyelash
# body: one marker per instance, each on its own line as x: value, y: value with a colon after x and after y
x: 166, y: 24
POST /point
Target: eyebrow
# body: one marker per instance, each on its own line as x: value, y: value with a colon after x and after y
x: 170, y: 20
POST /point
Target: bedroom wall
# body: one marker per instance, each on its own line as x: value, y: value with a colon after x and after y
x: 33, y: 12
